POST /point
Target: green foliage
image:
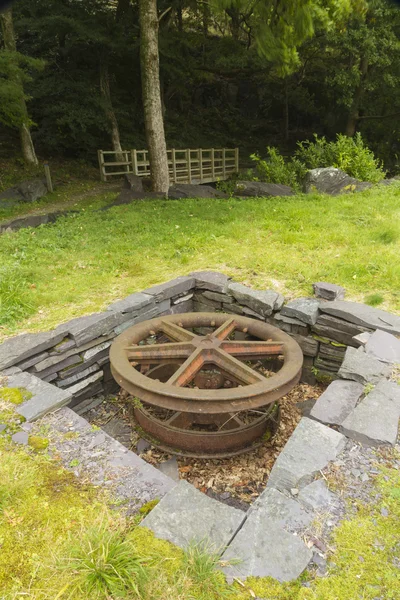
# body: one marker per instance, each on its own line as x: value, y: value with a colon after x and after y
x: 374, y: 299
x: 275, y: 169
x: 349, y: 154
x: 148, y: 507
x: 201, y: 564
x: 103, y: 563
x: 14, y: 302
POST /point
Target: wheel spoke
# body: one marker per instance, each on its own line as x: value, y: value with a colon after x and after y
x: 235, y: 368
x: 156, y: 352
x: 225, y: 329
x: 175, y: 332
x: 188, y: 369
x: 256, y: 349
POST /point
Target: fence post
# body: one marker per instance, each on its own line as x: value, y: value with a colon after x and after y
x: 237, y: 160
x: 134, y: 162
x: 200, y: 154
x: 103, y: 175
x: 173, y: 166
x: 189, y: 165
x: 213, y: 164
x: 48, y: 177
x: 223, y: 163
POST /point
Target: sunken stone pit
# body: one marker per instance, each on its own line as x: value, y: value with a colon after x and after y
x: 351, y: 357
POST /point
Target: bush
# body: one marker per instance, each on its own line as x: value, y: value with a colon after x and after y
x: 348, y: 154
x: 275, y: 169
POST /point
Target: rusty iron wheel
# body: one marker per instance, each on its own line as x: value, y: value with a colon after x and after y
x: 183, y: 375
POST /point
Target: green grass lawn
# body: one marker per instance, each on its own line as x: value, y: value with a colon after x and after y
x: 83, y: 262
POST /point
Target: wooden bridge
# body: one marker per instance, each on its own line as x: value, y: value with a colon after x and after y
x: 198, y: 165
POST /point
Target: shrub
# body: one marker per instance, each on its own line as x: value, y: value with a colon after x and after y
x: 349, y: 154
x: 275, y: 169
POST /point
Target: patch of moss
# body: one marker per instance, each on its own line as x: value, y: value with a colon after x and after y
x: 38, y: 443
x: 71, y: 435
x: 146, y: 508
x: 15, y: 395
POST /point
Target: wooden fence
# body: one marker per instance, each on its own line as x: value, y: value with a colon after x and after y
x: 185, y: 166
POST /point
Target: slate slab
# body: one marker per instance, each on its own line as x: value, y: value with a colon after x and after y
x: 283, y: 510
x: 362, y: 367
x: 170, y: 468
x: 159, y: 309
x: 186, y: 515
x: 261, y: 188
x: 81, y: 385
x: 316, y: 496
x: 337, y: 402
x: 361, y: 314
x: 308, y: 344
x: 304, y: 309
x: 45, y: 397
x: 132, y: 303
x: 164, y: 291
x: 383, y: 346
x: 262, y: 302
x: 374, y: 422
x: 265, y: 550
x: 330, y: 180
x: 310, y: 448
x: 210, y: 280
x: 328, y: 291
x: 187, y: 190
x: 24, y: 346
x: 21, y: 437
x: 87, y: 328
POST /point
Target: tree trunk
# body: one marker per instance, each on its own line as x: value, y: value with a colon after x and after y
x: 109, y: 110
x: 149, y: 64
x: 27, y: 148
x: 354, y: 114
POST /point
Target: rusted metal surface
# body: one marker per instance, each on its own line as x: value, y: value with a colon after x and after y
x: 202, y: 379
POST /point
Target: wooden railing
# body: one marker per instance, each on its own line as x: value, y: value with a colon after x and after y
x: 185, y: 166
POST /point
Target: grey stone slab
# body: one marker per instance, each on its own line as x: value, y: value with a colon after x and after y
x: 88, y: 404
x: 21, y: 437
x: 30, y: 362
x: 210, y: 280
x: 200, y: 298
x: 183, y: 307
x: 88, y: 392
x: 233, y: 309
x: 64, y: 383
x: 288, y: 320
x: 361, y: 314
x: 310, y: 448
x: 11, y: 371
x: 81, y: 385
x: 262, y: 302
x: 374, y: 421
x: 304, y: 309
x: 283, y: 510
x: 308, y: 344
x: 71, y: 361
x: 248, y: 312
x: 162, y: 308
x: 337, y: 402
x: 170, y: 468
x: 133, y: 303
x: 85, y: 329
x: 264, y: 549
x: 45, y: 397
x: 202, y: 307
x: 361, y: 367
x: 181, y: 299
x: 50, y: 361
x: 65, y: 345
x: 186, y: 515
x: 316, y: 496
x: 218, y: 297
x: 96, y: 350
x: 21, y: 347
x: 362, y: 338
x: 328, y: 291
x: 165, y: 291
x: 383, y: 346
x: 331, y: 352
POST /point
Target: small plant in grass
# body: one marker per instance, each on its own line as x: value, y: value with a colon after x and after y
x: 200, y: 564
x: 104, y: 564
x: 374, y: 299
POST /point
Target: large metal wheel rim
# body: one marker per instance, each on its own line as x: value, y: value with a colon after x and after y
x: 201, y: 400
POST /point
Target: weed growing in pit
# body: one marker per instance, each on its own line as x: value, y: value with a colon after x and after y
x: 201, y: 563
x: 374, y: 299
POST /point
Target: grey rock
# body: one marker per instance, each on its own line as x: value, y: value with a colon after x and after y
x: 30, y: 362
x: 86, y: 405
x: 210, y: 280
x: 288, y: 320
x: 337, y: 329
x: 304, y: 309
x: 260, y: 189
x: 330, y: 180
x: 45, y: 397
x: 262, y: 302
x: 218, y: 297
x: 310, y: 448
x: 24, y: 346
x: 282, y: 510
x: 384, y: 346
x: 51, y: 361
x: 133, y: 303
x: 182, y: 299
x: 361, y: 367
x: 187, y: 190
x: 308, y: 344
x: 186, y: 515
x: 81, y: 385
x: 21, y: 437
x: 96, y: 351
x: 85, y: 329
x: 361, y: 314
x: 132, y: 182
x: 11, y: 371
x: 182, y: 307
x: 32, y: 190
x: 162, y: 308
x: 234, y: 309
x: 332, y: 353
x: 265, y: 550
x: 328, y: 291
x: 164, y: 291
x: 306, y: 406
x: 142, y: 445
x: 64, y: 383
x: 252, y: 313
x: 170, y: 468
x: 374, y: 421
x: 337, y: 402
x: 202, y: 307
x: 316, y: 496
x: 362, y: 338
x: 65, y: 345
x: 69, y: 362
x: 199, y: 298
x: 2, y: 427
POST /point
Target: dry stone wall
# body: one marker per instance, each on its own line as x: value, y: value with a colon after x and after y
x: 74, y: 357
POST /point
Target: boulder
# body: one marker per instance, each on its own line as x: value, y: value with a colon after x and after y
x: 328, y: 291
x: 132, y: 182
x: 330, y: 180
x: 261, y: 302
x: 189, y: 190
x: 260, y: 188
x: 27, y: 191
x: 304, y: 309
